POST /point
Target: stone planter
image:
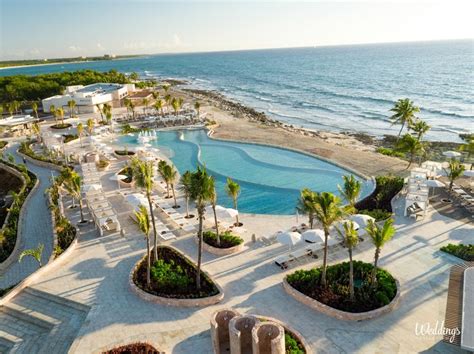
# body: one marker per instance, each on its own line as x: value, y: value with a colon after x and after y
x: 339, y: 314
x: 220, y: 251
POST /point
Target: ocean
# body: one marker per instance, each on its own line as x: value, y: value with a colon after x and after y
x: 338, y: 88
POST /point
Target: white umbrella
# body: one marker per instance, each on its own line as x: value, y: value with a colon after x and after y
x: 469, y: 173
x: 91, y: 187
x: 313, y: 236
x: 135, y: 200
x: 222, y: 213
x: 451, y: 154
x: 289, y: 238
x: 361, y: 219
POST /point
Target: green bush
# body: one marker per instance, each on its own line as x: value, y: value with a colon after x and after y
x: 390, y: 152
x: 377, y: 214
x: 3, y: 144
x: 70, y: 137
x: 292, y: 346
x: 25, y: 148
x: 124, y: 152
x: 386, y: 188
x: 465, y: 252
x: 127, y: 128
x: 227, y: 239
x: 61, y: 126
x: 169, y: 275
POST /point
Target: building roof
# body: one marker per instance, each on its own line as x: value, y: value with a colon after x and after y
x: 99, y: 88
x: 139, y: 94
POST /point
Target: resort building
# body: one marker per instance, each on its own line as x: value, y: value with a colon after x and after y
x: 17, y: 125
x: 88, y: 97
x: 139, y: 96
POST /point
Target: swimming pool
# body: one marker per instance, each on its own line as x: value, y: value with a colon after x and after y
x: 270, y: 178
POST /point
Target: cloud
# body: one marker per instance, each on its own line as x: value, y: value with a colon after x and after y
x: 177, y: 40
x: 74, y: 48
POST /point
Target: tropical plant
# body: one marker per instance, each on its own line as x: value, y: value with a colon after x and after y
x: 213, y: 205
x: 169, y: 175
x: 197, y: 107
x: 36, y: 253
x: 233, y: 190
x: 36, y: 130
x: 100, y: 109
x: 175, y: 104
x: 60, y: 114
x: 34, y: 108
x: 143, y: 175
x: 350, y: 191
x: 420, y: 128
x: 130, y: 106
x: 351, y: 239
x: 80, y: 131
x: 404, y: 113
x: 52, y: 110
x: 411, y: 145
x: 186, y: 189
x: 159, y: 106
x: 454, y: 171
x: 201, y: 193
x: 168, y: 102
x: 327, y: 210
x: 90, y: 126
x: 145, y: 103
x: 143, y: 222
x: 72, y: 185
x: 306, y: 205
x: 71, y: 105
x: 469, y: 149
x: 379, y: 236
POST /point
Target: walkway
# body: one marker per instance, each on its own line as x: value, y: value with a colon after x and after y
x: 36, y: 225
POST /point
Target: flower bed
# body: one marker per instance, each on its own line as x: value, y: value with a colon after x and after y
x: 227, y: 239
x: 61, y: 126
x: 465, y: 252
x: 70, y: 137
x: 135, y: 348
x: 173, y: 276
x: 336, y: 294
x: 124, y: 153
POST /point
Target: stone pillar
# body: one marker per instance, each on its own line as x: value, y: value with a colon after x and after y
x: 268, y: 338
x: 240, y: 333
x: 220, y: 330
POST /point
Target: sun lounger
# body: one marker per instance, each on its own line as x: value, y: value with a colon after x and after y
x: 283, y: 261
x: 300, y: 253
x: 167, y: 236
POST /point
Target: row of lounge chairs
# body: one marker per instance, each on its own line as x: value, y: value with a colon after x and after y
x: 462, y: 198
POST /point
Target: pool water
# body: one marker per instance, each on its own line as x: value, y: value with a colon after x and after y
x: 270, y: 178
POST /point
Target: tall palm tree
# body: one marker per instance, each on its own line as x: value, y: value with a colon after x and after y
x: 143, y: 175
x: 233, y: 190
x: 186, y: 189
x: 411, y: 145
x: 168, y: 102
x: 169, y: 175
x: 159, y: 106
x: 166, y: 88
x: 161, y: 170
x: 72, y: 185
x: 350, y: 191
x: 52, y: 110
x: 420, y: 128
x: 36, y: 130
x: 130, y: 107
x: 175, y: 105
x: 201, y: 194
x: 403, y: 113
x: 100, y: 109
x: 71, y: 105
x: 80, y: 131
x: 60, y: 114
x: 327, y: 211
x: 36, y: 253
x: 90, y: 126
x: 379, y: 236
x: 351, y: 239
x: 454, y: 171
x: 34, y: 108
x: 143, y: 222
x: 306, y: 205
x: 213, y: 205
x: 469, y: 149
x: 145, y: 103
x: 197, y: 107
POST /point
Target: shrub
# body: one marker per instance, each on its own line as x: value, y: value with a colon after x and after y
x: 124, y: 152
x: 70, y: 137
x: 292, y: 346
x: 103, y: 163
x: 227, y: 239
x: 465, y: 252
x: 61, y: 126
x: 377, y: 214
x: 3, y: 144
x: 386, y: 188
x: 390, y: 152
x: 25, y: 148
x: 127, y: 128
x: 169, y: 275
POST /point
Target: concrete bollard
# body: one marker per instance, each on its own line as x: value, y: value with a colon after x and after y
x: 268, y: 338
x: 220, y: 329
x: 240, y: 334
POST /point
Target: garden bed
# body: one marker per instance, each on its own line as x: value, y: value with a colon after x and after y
x: 124, y: 153
x: 135, y: 348
x: 465, y: 252
x: 230, y: 244
x: 127, y: 171
x: 70, y: 137
x: 61, y: 126
x: 173, y: 277
x: 334, y: 300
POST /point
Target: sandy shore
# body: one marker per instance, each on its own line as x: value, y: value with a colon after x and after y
x: 237, y: 122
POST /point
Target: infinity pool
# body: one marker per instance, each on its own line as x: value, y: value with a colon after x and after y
x: 270, y: 178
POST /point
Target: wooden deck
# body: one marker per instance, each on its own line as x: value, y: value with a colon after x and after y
x: 454, y: 302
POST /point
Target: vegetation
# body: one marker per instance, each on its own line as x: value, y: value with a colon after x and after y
x: 306, y: 204
x: 350, y: 191
x: 468, y: 148
x: 12, y: 63
x: 186, y: 189
x: 227, y: 239
x: 379, y: 236
x: 454, y: 171
x: 377, y: 214
x: 138, y: 348
x: 465, y: 252
x: 169, y: 175
x: 390, y: 152
x: 60, y: 126
x: 173, y: 276
x: 8, y: 233
x: 367, y: 295
x: 413, y: 146
x: 70, y: 137
x: 25, y: 148
x: 351, y: 239
x: 3, y: 144
x: 404, y: 113
x: 127, y: 171
x: 127, y: 128
x: 103, y: 164
x: 233, y: 190
x: 124, y: 153
x: 143, y: 221
x: 213, y: 200
x: 35, y: 253
x: 72, y: 184
x: 292, y: 346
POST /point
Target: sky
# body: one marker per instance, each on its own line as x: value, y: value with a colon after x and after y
x: 38, y: 29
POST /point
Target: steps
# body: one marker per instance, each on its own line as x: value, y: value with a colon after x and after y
x: 38, y: 322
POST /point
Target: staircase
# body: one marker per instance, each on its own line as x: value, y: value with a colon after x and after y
x: 38, y: 322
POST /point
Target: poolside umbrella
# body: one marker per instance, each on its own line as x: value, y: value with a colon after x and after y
x: 91, y: 187
x: 289, y: 238
x: 222, y: 213
x: 434, y: 183
x: 451, y: 154
x: 118, y: 178
x: 361, y: 219
x: 135, y: 200
x: 313, y: 236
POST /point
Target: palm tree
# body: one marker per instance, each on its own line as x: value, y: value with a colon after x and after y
x: 71, y: 104
x: 60, y: 114
x: 161, y: 170
x: 168, y: 101
x: 233, y: 190
x: 214, y: 204
x: 143, y: 222
x: 108, y: 118
x: 80, y: 131
x: 169, y: 175
x: 166, y: 88
x: 130, y: 107
x: 90, y: 126
x: 72, y: 185
x: 197, y: 107
x: 145, y: 103
x: 351, y: 239
x: 469, y: 149
x: 379, y: 236
x: 175, y: 105
x: 327, y: 210
x: 411, y: 145
x: 186, y: 189
x: 10, y: 108
x: 159, y: 106
x: 420, y: 128
x: 34, y: 108
x: 306, y: 205
x: 100, y: 109
x: 1, y: 111
x: 36, y: 253
x: 143, y: 174
x: 350, y: 191
x: 201, y: 194
x: 155, y: 95
x: 454, y: 171
x: 404, y: 114
x: 52, y: 110
x: 36, y: 130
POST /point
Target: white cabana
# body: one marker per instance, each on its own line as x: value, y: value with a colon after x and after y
x: 313, y: 235
x: 289, y: 238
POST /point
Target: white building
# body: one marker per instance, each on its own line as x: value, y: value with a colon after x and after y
x: 87, y: 97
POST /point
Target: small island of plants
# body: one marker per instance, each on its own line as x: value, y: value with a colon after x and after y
x: 226, y: 239
x: 124, y: 153
x: 144, y: 348
x: 465, y: 252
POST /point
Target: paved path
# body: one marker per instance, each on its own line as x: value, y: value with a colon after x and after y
x: 36, y: 225
x: 97, y: 276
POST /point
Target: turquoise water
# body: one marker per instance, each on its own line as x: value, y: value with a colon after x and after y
x: 270, y: 178
x: 350, y: 88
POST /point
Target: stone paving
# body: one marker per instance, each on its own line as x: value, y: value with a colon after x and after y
x: 97, y: 276
x: 36, y: 225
